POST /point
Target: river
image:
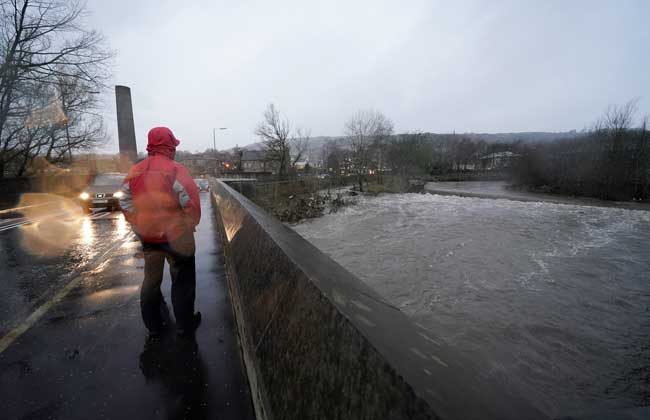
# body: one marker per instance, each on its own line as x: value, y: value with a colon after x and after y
x: 555, y: 296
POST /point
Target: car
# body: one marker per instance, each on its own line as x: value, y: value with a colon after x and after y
x: 103, y: 192
x: 202, y: 184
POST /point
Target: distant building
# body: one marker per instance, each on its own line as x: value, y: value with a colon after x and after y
x: 498, y: 160
x: 261, y: 162
x: 301, y: 164
x: 202, y: 164
x: 258, y: 161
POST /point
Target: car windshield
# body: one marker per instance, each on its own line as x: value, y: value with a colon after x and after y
x: 108, y: 180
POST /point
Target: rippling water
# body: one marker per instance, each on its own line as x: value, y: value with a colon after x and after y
x: 555, y: 296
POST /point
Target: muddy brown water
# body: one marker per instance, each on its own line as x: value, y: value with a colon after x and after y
x: 554, y: 296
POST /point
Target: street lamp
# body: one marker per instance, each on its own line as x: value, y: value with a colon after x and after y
x: 214, y: 146
x: 214, y: 138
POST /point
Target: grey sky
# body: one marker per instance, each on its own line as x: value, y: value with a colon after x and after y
x: 482, y: 66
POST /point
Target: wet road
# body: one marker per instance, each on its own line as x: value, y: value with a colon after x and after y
x: 72, y: 344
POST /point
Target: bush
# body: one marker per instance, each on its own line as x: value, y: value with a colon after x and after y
x: 611, y: 162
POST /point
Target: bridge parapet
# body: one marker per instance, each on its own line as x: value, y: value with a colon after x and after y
x: 319, y: 343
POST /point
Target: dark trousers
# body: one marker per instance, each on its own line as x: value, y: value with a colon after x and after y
x: 180, y: 257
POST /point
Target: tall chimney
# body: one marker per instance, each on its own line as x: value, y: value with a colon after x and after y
x: 125, y: 127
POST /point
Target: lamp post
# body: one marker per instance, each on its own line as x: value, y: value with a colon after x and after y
x: 214, y: 138
x: 214, y: 146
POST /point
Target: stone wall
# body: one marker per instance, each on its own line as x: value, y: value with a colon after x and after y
x: 319, y: 343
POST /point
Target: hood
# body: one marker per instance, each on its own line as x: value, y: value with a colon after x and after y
x: 161, y: 141
x: 106, y: 189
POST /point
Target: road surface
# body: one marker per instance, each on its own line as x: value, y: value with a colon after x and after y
x: 72, y: 344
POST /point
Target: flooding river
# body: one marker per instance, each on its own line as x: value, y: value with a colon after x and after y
x: 555, y: 296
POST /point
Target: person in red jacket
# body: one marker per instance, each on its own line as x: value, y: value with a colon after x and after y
x: 161, y: 202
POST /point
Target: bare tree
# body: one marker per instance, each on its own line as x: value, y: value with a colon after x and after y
x: 83, y: 128
x: 332, y: 157
x: 41, y: 41
x: 299, y: 145
x: 365, y: 132
x: 281, y: 140
x: 617, y: 119
x: 274, y: 132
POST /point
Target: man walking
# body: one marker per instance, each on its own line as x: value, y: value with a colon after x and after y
x: 161, y: 202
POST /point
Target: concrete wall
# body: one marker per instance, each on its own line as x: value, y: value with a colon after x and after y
x: 319, y: 343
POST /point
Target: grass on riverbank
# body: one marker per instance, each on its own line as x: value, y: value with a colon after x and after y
x: 293, y: 201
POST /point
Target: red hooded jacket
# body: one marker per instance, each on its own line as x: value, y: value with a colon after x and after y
x: 159, y: 197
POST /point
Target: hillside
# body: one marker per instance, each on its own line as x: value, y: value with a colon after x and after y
x: 316, y: 143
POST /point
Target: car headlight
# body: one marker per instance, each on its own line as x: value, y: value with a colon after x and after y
x: 118, y: 194
x: 84, y: 196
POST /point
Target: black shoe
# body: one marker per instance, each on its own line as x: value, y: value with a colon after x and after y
x: 196, y: 321
x: 153, y: 339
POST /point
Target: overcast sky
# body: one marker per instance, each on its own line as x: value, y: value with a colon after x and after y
x: 481, y: 66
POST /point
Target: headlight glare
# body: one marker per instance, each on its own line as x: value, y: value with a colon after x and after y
x: 118, y: 194
x: 84, y: 196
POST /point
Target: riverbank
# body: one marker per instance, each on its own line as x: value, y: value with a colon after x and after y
x: 291, y: 201
x: 295, y: 200
x: 501, y: 190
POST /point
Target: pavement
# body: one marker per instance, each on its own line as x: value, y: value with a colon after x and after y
x: 72, y: 344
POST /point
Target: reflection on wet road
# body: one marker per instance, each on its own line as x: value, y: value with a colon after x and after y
x: 32, y: 266
x: 72, y: 344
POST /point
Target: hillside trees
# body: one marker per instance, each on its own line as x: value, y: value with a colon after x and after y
x: 611, y: 161
x: 410, y: 154
x: 334, y: 157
